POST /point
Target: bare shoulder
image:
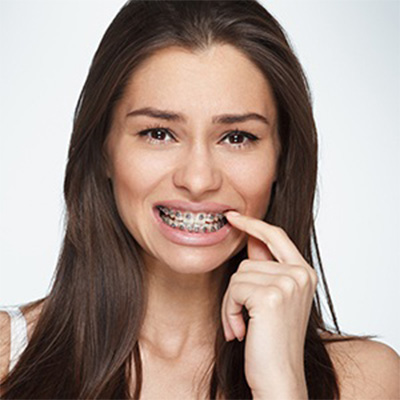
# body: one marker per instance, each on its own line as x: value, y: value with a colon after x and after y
x: 367, y: 369
x: 4, y: 343
x: 31, y: 313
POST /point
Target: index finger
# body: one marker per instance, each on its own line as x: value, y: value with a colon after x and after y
x: 277, y: 240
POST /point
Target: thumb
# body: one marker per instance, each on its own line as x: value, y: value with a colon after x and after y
x: 257, y: 250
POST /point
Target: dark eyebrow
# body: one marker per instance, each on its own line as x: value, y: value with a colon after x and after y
x: 219, y: 119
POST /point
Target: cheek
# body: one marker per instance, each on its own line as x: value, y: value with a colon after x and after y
x: 253, y: 179
x: 134, y: 176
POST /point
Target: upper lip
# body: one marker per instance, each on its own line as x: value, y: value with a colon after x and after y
x: 195, y: 207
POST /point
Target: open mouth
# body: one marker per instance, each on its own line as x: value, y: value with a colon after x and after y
x: 192, y: 222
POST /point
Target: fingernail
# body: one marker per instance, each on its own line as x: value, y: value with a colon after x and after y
x: 240, y: 338
x: 233, y: 213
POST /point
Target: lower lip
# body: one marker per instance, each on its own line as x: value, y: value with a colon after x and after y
x: 191, y: 239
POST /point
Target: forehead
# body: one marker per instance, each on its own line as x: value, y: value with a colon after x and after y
x: 219, y: 79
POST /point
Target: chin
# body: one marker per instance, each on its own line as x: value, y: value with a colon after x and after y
x: 194, y: 262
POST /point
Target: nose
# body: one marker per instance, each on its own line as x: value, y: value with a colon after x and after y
x: 197, y: 172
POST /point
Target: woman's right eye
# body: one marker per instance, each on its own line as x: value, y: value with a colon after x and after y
x: 156, y: 135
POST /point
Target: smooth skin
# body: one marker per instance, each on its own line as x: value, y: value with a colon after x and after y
x: 198, y: 162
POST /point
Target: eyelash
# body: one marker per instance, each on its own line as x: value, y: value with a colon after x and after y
x: 251, y: 139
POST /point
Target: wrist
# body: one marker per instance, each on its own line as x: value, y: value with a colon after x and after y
x: 280, y: 395
x: 283, y: 382
x: 289, y: 391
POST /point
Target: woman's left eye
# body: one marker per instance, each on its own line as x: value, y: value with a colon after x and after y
x: 237, y: 139
x: 241, y: 139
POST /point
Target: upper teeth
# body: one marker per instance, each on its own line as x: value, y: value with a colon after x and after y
x: 188, y: 216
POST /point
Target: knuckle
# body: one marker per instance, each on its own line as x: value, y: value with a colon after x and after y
x: 302, y: 276
x: 272, y: 296
x: 288, y: 283
x: 280, y: 231
x: 243, y: 265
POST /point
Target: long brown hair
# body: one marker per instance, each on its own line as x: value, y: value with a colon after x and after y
x: 85, y: 344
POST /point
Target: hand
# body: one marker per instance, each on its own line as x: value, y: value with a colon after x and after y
x: 277, y: 286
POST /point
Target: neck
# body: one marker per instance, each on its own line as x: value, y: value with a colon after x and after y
x: 181, y: 313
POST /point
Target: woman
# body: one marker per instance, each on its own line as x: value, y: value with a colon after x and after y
x: 191, y: 110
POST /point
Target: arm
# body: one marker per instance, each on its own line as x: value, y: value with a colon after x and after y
x: 276, y: 286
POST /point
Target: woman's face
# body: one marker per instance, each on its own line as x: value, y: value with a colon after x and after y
x: 189, y: 152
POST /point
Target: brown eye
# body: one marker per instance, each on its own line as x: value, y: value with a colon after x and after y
x: 236, y: 138
x: 157, y: 135
x: 240, y: 139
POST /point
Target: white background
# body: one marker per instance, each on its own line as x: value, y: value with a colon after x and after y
x: 351, y: 53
